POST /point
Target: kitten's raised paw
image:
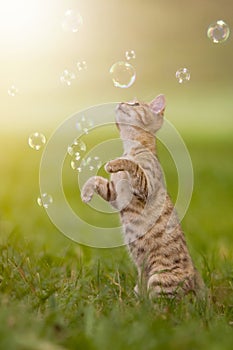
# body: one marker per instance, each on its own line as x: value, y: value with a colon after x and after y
x: 86, y: 197
x: 88, y: 191
x: 108, y: 167
x: 113, y: 166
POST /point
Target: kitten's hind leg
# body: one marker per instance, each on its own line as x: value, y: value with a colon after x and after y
x: 137, y: 175
x: 136, y: 291
x: 101, y: 186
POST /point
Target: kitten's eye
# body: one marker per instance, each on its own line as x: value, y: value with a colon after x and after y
x: 133, y: 103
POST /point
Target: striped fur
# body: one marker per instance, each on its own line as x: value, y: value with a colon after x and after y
x: 151, y: 227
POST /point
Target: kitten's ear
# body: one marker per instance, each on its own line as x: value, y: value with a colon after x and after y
x: 158, y: 105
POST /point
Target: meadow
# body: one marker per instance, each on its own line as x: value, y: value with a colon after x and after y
x: 56, y: 294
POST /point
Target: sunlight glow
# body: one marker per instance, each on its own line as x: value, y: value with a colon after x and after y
x: 20, y: 20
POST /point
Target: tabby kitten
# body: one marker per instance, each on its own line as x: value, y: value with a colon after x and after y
x: 151, y: 227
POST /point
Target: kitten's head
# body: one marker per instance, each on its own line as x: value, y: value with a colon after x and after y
x: 147, y: 116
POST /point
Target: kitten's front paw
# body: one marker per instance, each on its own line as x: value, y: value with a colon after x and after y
x: 88, y: 190
x: 86, y: 196
x: 113, y: 166
x: 108, y: 167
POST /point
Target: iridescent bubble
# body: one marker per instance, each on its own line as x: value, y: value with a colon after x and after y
x: 93, y: 163
x: 12, y: 91
x: 76, y: 148
x: 84, y: 124
x: 67, y: 77
x: 130, y: 55
x: 123, y: 74
x: 218, y: 32
x: 82, y: 65
x: 45, y: 200
x: 183, y: 75
x: 75, y: 163
x: 36, y: 140
x: 72, y: 21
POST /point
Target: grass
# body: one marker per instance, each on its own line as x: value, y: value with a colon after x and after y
x: 56, y: 294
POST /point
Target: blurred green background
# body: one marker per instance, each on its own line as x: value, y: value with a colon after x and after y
x: 166, y: 36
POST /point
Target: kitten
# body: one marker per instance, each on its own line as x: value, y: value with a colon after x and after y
x: 151, y: 227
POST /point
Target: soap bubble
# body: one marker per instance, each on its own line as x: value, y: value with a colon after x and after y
x: 82, y: 65
x: 123, y: 74
x: 183, y: 75
x: 45, y: 200
x: 75, y: 163
x: 75, y: 151
x: 84, y: 124
x: 72, y: 21
x: 12, y: 91
x: 130, y: 55
x: 67, y: 77
x: 218, y: 32
x: 90, y: 163
x: 36, y: 140
x: 93, y: 163
x: 76, y: 148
